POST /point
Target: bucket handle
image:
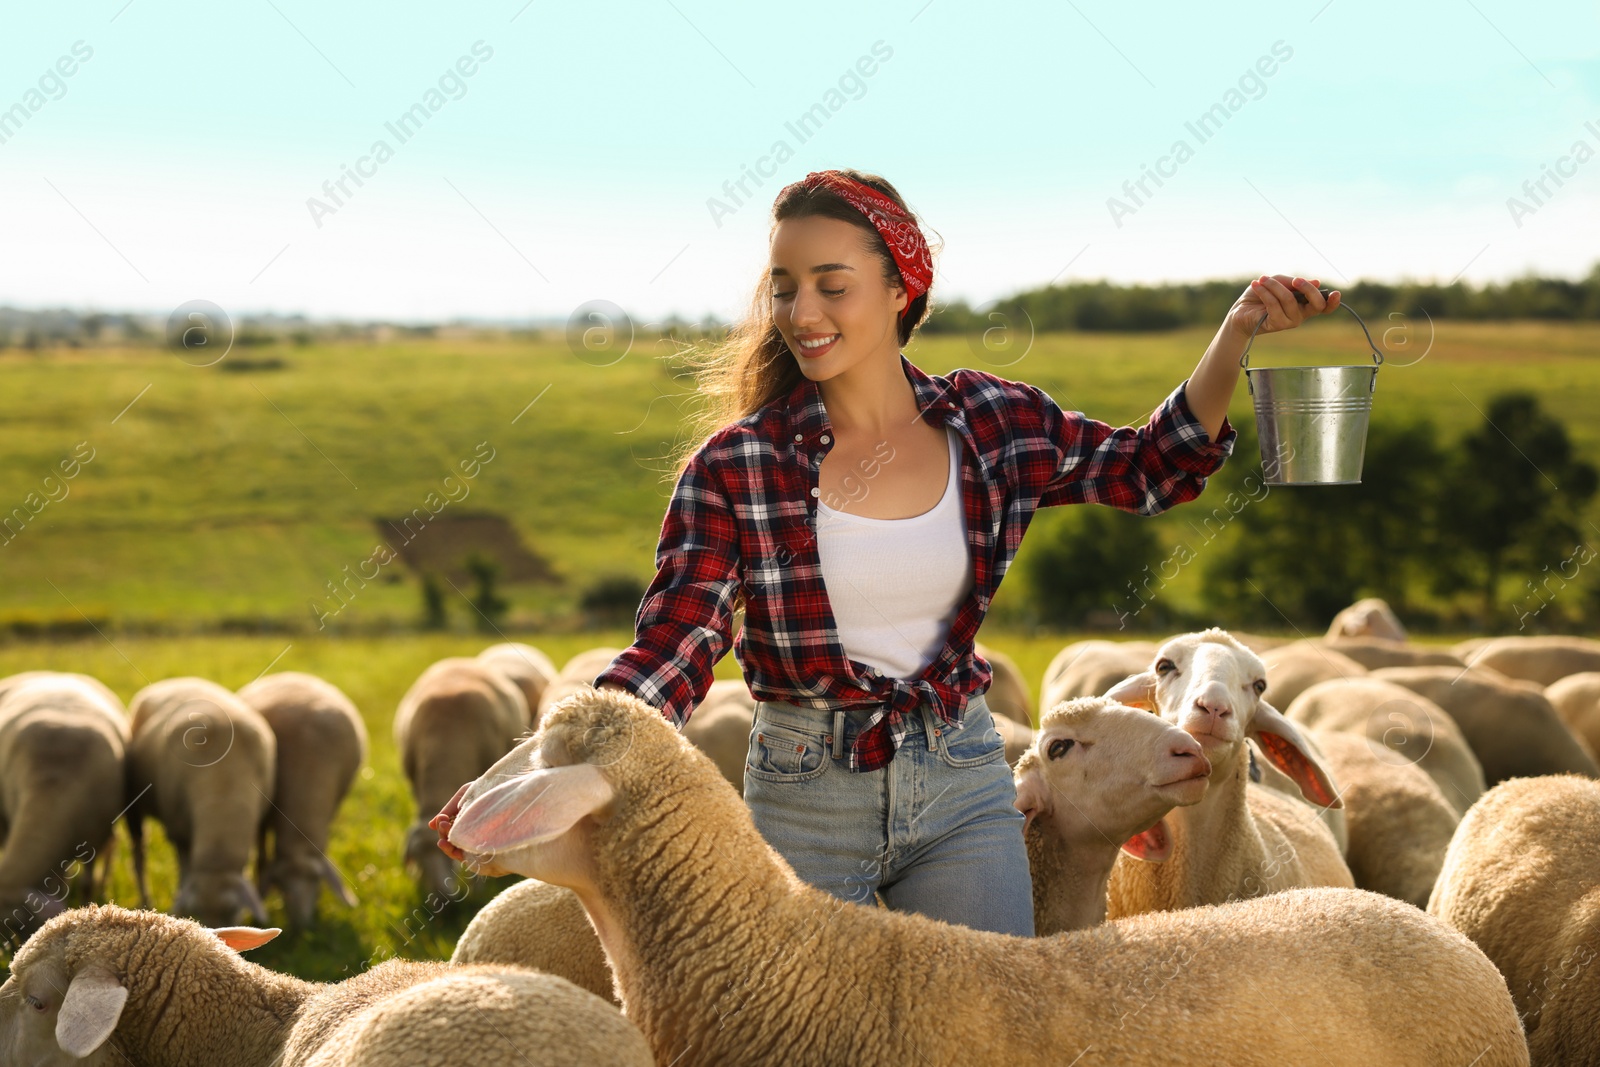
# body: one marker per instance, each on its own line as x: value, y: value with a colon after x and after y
x: 1377, y: 357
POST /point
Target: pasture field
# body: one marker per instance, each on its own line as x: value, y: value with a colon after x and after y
x: 217, y: 497
x: 393, y: 917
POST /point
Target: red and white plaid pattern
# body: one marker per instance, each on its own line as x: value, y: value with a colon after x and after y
x: 744, y: 511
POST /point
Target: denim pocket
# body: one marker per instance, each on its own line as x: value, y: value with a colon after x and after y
x: 782, y: 754
x: 976, y: 743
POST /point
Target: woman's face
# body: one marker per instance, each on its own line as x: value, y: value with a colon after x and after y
x: 826, y: 284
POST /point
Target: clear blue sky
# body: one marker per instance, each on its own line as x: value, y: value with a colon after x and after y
x: 577, y: 160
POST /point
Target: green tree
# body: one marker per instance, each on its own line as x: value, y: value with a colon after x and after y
x: 1079, y: 572
x: 491, y: 606
x: 433, y: 613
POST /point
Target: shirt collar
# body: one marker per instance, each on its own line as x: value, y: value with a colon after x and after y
x: 809, y: 418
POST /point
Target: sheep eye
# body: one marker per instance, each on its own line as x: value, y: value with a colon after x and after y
x: 35, y: 1003
x: 1260, y: 686
x: 1163, y: 666
x: 1059, y: 747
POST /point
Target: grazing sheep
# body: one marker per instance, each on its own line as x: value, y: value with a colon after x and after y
x: 722, y: 731
x: 103, y: 986
x: 1299, y: 665
x: 513, y: 1019
x: 202, y: 762
x: 322, y: 743
x: 1368, y: 617
x: 529, y: 669
x: 1399, y: 823
x: 457, y: 719
x: 110, y: 699
x: 1519, y: 879
x: 1541, y: 660
x: 1241, y: 839
x: 724, y: 955
x: 63, y: 749
x: 1576, y: 699
x: 1375, y: 653
x: 1089, y: 668
x: 1008, y: 690
x: 1098, y: 778
x: 543, y: 927
x: 1511, y: 727
x: 1415, y: 728
x: 1258, y: 643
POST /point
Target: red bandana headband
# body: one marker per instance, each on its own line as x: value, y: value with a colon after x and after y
x: 898, y: 230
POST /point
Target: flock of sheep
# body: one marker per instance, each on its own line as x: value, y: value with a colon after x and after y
x: 1394, y: 868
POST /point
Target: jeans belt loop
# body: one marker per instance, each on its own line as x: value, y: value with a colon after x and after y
x: 838, y: 732
x: 930, y: 724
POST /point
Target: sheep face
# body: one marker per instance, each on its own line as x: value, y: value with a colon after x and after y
x: 218, y: 898
x: 1098, y: 770
x: 1210, y: 686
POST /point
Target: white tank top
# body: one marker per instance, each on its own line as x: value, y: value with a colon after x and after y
x: 895, y: 585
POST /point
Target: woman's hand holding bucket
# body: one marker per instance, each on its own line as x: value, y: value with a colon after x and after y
x: 1285, y: 300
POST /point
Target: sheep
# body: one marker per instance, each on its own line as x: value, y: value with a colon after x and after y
x: 458, y: 717
x: 529, y: 669
x: 1399, y: 822
x: 1269, y: 777
x: 1296, y: 667
x: 722, y: 731
x: 63, y: 750
x: 579, y: 672
x: 103, y: 985
x: 1375, y: 653
x: 541, y: 926
x: 1410, y: 725
x: 1542, y: 660
x: 322, y: 743
x: 1258, y: 643
x: 110, y: 699
x: 1519, y: 879
x: 1099, y: 777
x: 514, y: 1019
x: 1368, y: 617
x: 724, y: 955
x: 1008, y: 690
x: 1510, y: 726
x: 1465, y: 650
x: 1241, y: 839
x: 202, y: 762
x: 1089, y: 668
x: 1576, y: 699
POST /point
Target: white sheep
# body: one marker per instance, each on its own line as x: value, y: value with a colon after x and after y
x: 203, y: 763
x: 1089, y: 668
x: 101, y: 985
x: 1510, y: 725
x: 1368, y: 617
x: 1519, y: 879
x: 1543, y: 660
x: 1375, y: 653
x: 509, y: 1019
x: 542, y: 927
x: 322, y: 743
x: 529, y: 669
x: 63, y: 749
x: 1299, y: 665
x: 110, y: 698
x: 724, y: 955
x: 458, y: 718
x: 1242, y: 839
x: 1576, y: 699
x: 1413, y: 727
x: 1399, y: 823
x: 1099, y: 777
x: 722, y: 731
x: 579, y: 672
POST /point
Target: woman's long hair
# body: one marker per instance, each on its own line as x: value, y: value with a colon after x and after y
x: 752, y: 366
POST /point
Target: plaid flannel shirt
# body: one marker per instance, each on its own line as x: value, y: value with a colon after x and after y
x: 744, y: 512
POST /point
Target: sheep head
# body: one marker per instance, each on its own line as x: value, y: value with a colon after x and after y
x: 1210, y: 685
x: 1099, y: 770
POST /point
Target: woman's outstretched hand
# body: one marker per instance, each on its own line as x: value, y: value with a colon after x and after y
x: 1274, y: 295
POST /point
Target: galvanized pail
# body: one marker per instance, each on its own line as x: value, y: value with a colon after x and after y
x: 1312, y: 421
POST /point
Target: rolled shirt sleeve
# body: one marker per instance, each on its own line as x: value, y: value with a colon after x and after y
x: 685, y: 621
x: 1144, y: 470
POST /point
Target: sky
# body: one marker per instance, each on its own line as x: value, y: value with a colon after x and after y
x: 154, y: 152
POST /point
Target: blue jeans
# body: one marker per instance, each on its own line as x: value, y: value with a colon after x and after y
x: 936, y: 831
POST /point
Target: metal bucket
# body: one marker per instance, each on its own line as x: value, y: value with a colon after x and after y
x: 1312, y: 421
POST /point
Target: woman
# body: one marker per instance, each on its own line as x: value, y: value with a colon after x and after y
x: 862, y: 513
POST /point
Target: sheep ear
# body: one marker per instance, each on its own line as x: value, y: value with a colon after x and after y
x: 245, y: 938
x: 1287, y: 749
x: 1152, y: 846
x: 1032, y: 794
x: 1136, y: 691
x: 530, y: 809
x: 89, y: 1012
